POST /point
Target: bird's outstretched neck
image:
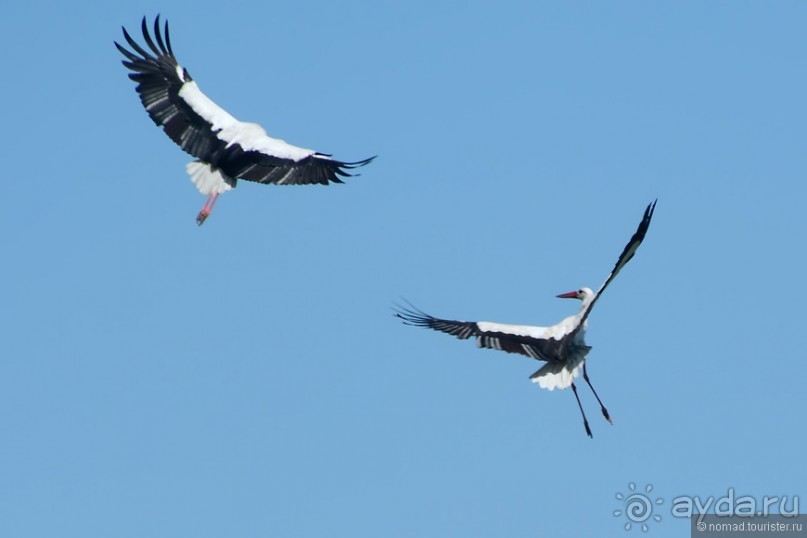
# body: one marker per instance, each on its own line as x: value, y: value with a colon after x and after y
x: 587, y: 298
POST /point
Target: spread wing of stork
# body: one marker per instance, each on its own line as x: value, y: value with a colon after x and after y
x: 561, y: 346
x: 624, y: 258
x: 525, y: 340
x: 226, y: 149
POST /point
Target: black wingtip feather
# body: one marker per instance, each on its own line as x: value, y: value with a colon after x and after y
x: 411, y: 315
x: 357, y: 164
x: 147, y: 36
x: 645, y: 224
x: 342, y: 167
x: 168, y: 40
x: 641, y: 231
x: 157, y: 35
x: 648, y: 213
x: 162, y: 47
x: 126, y: 52
x: 132, y: 43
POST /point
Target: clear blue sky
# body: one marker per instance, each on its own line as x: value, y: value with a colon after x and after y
x: 247, y: 378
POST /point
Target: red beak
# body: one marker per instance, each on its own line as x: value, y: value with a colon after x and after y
x: 568, y: 295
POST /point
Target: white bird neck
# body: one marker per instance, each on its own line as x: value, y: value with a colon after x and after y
x: 585, y: 303
x: 584, y: 306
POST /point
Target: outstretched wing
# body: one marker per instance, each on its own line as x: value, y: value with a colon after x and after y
x: 162, y: 85
x: 508, y: 338
x: 260, y: 167
x: 199, y: 126
x: 624, y: 258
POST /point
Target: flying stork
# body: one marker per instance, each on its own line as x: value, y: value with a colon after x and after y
x: 225, y: 149
x: 561, y: 346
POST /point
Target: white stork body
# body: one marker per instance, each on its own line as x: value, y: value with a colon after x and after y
x: 561, y: 346
x: 226, y: 149
x: 547, y: 377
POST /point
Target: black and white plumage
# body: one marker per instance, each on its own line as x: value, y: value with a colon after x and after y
x: 226, y: 149
x: 561, y: 346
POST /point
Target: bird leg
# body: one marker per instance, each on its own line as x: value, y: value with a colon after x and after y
x: 585, y: 422
x: 208, y: 207
x: 602, y: 407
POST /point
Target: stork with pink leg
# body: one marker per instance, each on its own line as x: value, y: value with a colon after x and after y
x: 561, y: 346
x: 225, y: 149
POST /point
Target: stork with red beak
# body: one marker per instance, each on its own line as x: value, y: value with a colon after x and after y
x: 561, y: 346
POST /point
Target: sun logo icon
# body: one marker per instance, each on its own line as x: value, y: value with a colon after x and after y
x: 637, y: 507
